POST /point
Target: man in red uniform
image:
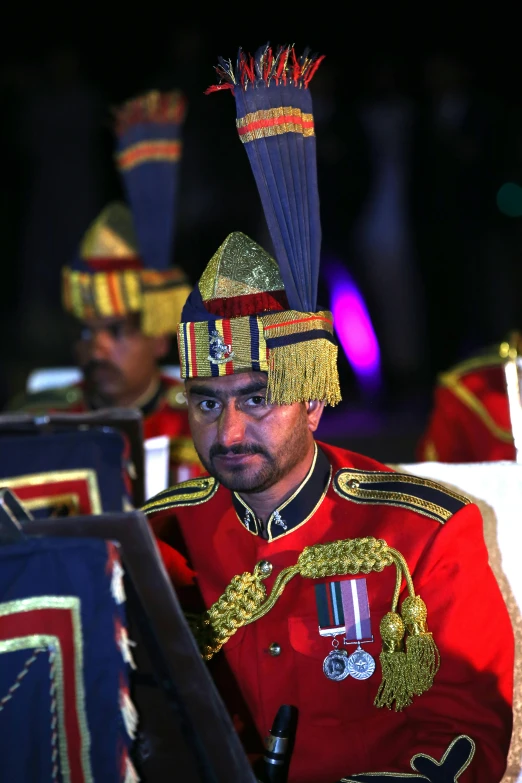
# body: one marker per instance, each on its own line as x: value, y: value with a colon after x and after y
x: 123, y: 290
x: 471, y: 419
x: 310, y: 573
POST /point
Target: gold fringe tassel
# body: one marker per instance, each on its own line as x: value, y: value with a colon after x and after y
x: 161, y: 311
x: 421, y: 651
x: 395, y: 686
x: 304, y: 371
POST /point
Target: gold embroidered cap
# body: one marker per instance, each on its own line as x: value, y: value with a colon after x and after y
x: 124, y: 261
x: 250, y: 311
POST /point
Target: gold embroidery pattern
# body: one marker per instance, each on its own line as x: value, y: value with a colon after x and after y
x: 409, y: 776
x: 71, y: 604
x: 57, y: 477
x: 347, y: 484
x: 174, y: 497
x: 239, y: 267
x: 70, y: 500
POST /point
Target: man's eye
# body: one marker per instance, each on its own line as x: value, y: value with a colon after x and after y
x: 208, y: 405
x: 116, y: 331
x: 257, y: 400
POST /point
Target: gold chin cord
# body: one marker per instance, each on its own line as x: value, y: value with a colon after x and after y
x: 409, y: 656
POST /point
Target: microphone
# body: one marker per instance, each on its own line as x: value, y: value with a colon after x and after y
x: 279, y: 746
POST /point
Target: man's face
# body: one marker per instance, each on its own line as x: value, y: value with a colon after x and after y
x: 118, y: 361
x: 247, y: 443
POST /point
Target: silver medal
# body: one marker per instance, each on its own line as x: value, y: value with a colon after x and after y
x: 335, y: 665
x: 360, y: 664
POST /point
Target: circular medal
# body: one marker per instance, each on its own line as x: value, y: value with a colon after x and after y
x: 335, y: 665
x: 360, y: 664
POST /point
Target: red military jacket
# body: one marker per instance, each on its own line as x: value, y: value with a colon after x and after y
x: 278, y: 659
x: 164, y: 414
x: 470, y: 419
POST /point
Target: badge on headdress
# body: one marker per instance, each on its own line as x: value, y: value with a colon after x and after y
x: 343, y: 608
x: 220, y: 352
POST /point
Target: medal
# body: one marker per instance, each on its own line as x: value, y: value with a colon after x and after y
x: 343, y: 608
x: 335, y: 665
x: 361, y: 664
x: 331, y: 623
x: 358, y: 629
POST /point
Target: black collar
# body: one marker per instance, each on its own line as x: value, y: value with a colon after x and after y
x: 295, y: 511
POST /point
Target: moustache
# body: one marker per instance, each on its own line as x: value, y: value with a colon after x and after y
x: 93, y: 366
x: 242, y: 448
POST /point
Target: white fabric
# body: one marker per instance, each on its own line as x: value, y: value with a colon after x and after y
x: 45, y: 378
x: 496, y: 487
x: 157, y: 452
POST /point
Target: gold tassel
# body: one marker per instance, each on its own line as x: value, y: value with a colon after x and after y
x: 422, y: 654
x: 161, y: 311
x: 394, y: 686
x: 304, y: 371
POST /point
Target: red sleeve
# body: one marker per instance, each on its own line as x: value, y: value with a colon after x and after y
x: 473, y: 689
x: 445, y: 438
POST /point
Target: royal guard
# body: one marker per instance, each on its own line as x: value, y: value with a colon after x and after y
x: 317, y: 579
x: 476, y: 409
x: 123, y: 289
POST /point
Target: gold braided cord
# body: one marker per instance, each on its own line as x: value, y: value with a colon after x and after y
x: 244, y: 600
x: 409, y: 664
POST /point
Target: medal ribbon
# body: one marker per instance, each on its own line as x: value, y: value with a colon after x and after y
x: 356, y: 611
x: 328, y: 597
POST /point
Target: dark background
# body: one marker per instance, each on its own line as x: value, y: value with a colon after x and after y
x: 458, y: 290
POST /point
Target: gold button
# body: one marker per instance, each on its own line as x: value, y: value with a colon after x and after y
x: 265, y: 568
x: 274, y: 649
x: 353, y: 484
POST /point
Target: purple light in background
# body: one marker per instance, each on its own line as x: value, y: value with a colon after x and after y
x: 353, y: 326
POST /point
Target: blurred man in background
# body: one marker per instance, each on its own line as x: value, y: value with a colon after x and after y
x: 124, y: 292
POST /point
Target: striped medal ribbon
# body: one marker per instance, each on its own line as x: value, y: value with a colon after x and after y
x: 343, y: 608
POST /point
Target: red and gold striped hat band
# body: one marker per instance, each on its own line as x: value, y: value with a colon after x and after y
x: 274, y: 122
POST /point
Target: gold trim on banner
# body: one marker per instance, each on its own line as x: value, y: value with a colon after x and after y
x: 47, y: 641
x: 56, y: 477
x: 72, y: 604
x: 71, y: 500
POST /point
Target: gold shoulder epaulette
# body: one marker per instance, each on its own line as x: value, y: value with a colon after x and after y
x: 60, y: 398
x: 188, y: 493
x: 422, y: 495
